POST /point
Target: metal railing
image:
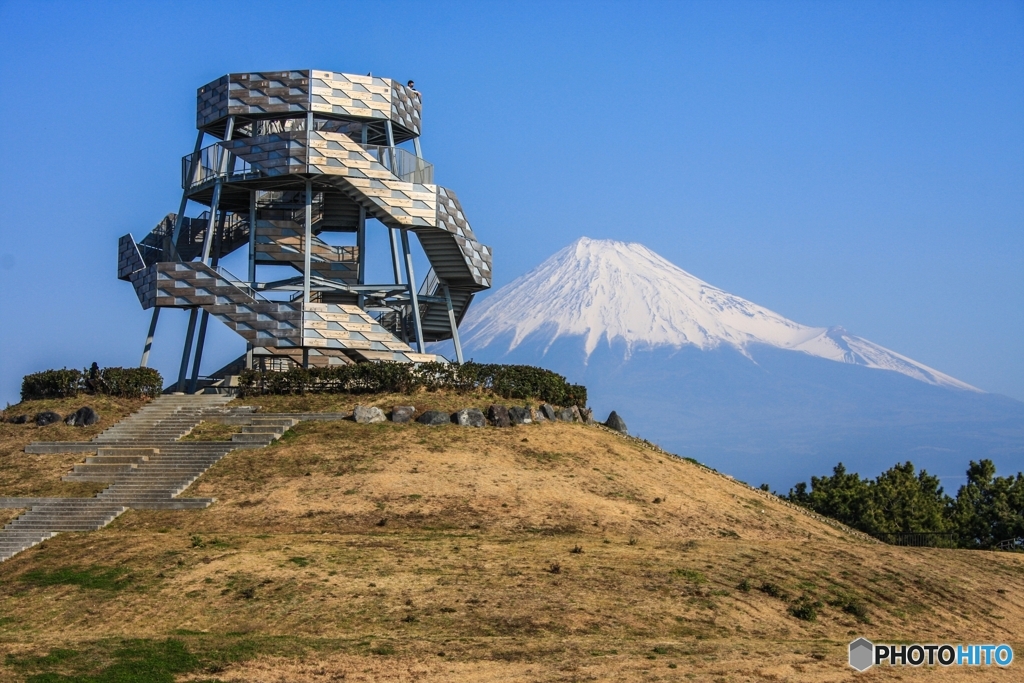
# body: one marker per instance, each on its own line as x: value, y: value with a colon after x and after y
x: 1011, y: 544
x: 403, y: 163
x: 240, y: 283
x: 211, y: 162
x: 430, y: 283
x: 921, y: 539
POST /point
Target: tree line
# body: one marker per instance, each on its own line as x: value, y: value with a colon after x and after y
x: 987, y: 509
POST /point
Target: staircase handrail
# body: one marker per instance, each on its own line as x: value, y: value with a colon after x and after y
x: 240, y: 283
x: 403, y: 163
x: 212, y: 162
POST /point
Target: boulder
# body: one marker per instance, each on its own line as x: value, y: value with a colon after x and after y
x: 402, y: 414
x: 499, y: 416
x: 19, y: 420
x: 470, y: 417
x: 565, y: 415
x: 548, y: 411
x: 538, y: 416
x: 519, y: 416
x: 47, y: 418
x: 587, y: 416
x: 368, y: 414
x: 434, y: 418
x: 617, y: 423
x: 577, y: 416
x: 83, y: 417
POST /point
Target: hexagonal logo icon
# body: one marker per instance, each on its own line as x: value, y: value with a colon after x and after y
x: 862, y: 654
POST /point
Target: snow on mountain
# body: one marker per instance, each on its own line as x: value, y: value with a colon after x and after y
x: 605, y: 289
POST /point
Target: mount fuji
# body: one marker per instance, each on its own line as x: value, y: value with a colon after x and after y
x: 710, y: 375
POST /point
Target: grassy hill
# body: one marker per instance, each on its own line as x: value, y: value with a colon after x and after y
x: 537, y: 553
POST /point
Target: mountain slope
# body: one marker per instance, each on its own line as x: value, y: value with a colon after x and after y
x: 604, y: 289
x: 712, y: 376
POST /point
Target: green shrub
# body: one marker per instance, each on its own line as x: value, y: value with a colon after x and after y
x: 772, y: 589
x: 805, y: 609
x: 508, y: 381
x: 64, y: 383
x: 130, y: 382
x: 51, y: 384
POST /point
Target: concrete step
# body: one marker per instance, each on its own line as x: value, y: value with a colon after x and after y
x: 104, y: 468
x: 264, y: 439
x: 264, y: 429
x: 102, y: 459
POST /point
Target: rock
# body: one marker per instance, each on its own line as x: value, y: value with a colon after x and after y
x: 565, y: 415
x: 499, y: 416
x: 47, y: 418
x: 576, y: 416
x: 519, y: 416
x: 19, y: 420
x: 470, y: 417
x: 617, y: 423
x: 587, y: 416
x: 368, y: 414
x: 434, y: 418
x: 548, y: 411
x: 83, y: 417
x: 402, y: 414
x: 538, y: 416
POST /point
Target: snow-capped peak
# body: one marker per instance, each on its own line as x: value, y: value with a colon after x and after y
x: 605, y: 289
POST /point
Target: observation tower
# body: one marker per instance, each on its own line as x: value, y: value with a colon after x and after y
x: 295, y: 166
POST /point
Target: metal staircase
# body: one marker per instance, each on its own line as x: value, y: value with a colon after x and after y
x: 302, y: 154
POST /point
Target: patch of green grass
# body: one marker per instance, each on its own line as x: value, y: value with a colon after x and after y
x: 101, y: 578
x: 151, y: 661
x: 301, y: 561
x: 138, y: 661
x: 691, y: 575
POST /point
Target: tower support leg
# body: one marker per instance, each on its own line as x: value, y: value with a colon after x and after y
x: 199, y: 352
x: 188, y: 348
x: 252, y: 238
x: 411, y: 276
x: 361, y: 251
x: 307, y: 242
x: 149, y: 338
x: 454, y: 326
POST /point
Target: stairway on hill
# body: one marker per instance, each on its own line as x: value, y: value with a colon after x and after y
x: 145, y: 462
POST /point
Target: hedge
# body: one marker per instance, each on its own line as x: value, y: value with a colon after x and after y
x: 509, y: 381
x: 65, y: 383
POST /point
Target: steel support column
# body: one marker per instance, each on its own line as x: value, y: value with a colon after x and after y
x: 192, y: 314
x: 307, y: 242
x: 200, y: 342
x: 411, y: 276
x: 218, y: 183
x: 172, y: 247
x: 252, y: 238
x: 395, y: 260
x: 149, y: 338
x: 452, y: 323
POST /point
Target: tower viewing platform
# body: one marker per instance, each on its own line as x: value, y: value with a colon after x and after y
x: 294, y: 167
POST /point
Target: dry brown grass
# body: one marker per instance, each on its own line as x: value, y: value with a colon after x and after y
x: 39, y: 475
x: 371, y: 549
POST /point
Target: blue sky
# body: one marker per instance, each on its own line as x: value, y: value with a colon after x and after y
x: 857, y: 164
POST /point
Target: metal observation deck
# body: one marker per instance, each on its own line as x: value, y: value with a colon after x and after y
x: 295, y: 157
